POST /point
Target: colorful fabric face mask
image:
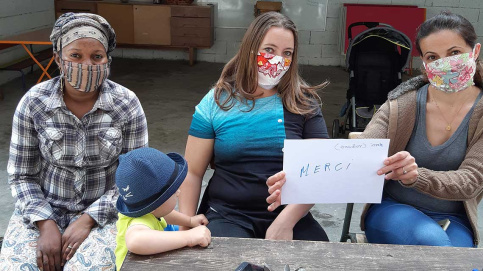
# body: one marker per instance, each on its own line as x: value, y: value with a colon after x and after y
x: 85, y: 78
x: 452, y: 73
x: 271, y: 68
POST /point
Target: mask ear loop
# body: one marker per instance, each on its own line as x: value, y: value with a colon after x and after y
x: 474, y: 49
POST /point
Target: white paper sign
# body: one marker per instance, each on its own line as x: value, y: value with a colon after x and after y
x: 333, y: 170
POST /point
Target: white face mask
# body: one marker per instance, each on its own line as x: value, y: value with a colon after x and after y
x: 271, y: 69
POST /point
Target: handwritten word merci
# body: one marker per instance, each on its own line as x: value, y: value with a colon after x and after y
x: 318, y: 168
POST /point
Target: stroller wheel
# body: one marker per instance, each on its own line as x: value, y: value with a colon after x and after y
x: 335, y: 128
x: 342, y: 129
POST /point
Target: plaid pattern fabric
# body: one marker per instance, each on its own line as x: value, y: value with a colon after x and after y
x: 60, y: 166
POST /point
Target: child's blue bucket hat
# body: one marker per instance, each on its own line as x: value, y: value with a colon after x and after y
x: 146, y: 178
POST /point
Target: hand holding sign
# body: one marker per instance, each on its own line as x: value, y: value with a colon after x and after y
x: 333, y: 171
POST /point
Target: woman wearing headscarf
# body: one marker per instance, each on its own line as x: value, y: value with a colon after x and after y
x: 67, y: 135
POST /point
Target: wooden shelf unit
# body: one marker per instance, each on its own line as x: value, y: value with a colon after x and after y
x: 155, y: 26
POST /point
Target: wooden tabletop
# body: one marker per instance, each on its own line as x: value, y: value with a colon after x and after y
x: 40, y: 36
x: 227, y: 253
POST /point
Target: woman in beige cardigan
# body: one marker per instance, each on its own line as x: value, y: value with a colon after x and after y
x: 436, y: 121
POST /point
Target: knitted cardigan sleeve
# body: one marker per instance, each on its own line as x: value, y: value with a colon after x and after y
x: 458, y: 185
x: 462, y: 184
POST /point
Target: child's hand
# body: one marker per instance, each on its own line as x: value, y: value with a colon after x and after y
x: 198, y: 220
x: 200, y: 235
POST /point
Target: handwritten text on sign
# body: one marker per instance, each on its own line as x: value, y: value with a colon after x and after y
x: 333, y: 170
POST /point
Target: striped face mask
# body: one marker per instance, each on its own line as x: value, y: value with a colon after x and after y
x: 83, y: 77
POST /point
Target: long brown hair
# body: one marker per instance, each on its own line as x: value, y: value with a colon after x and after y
x: 239, y: 78
x: 447, y: 20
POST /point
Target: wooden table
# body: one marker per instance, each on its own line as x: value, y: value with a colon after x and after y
x: 36, y: 37
x: 227, y: 253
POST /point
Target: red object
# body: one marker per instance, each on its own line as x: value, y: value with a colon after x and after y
x: 403, y: 18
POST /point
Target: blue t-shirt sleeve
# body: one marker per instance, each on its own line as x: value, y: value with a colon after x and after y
x: 202, y: 122
x: 315, y: 127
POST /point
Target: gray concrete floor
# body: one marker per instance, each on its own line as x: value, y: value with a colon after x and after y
x: 169, y: 91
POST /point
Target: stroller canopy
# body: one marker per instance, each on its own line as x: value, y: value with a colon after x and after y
x: 373, y: 36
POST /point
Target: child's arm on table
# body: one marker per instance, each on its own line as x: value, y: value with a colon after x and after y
x: 177, y: 218
x: 142, y: 240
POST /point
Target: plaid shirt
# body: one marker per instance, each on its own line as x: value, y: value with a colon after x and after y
x: 60, y: 166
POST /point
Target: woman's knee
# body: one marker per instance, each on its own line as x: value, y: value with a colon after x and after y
x: 309, y: 229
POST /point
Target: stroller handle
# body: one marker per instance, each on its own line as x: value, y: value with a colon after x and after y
x: 367, y: 24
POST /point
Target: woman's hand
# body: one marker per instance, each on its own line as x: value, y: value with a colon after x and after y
x: 275, y: 183
x: 401, y: 166
x: 279, y: 232
x: 49, y: 246
x: 198, y: 220
x: 74, y: 235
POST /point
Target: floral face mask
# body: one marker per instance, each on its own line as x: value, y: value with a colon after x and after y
x: 85, y: 78
x: 271, y: 68
x: 452, y: 73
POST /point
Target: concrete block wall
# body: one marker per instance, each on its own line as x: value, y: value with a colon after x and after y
x: 18, y: 16
x: 315, y: 47
x: 318, y: 47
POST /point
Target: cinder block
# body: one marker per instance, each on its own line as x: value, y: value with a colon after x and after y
x: 39, y: 19
x: 324, y: 37
x: 304, y: 36
x: 330, y: 50
x: 17, y: 24
x: 206, y: 57
x: 117, y: 53
x: 332, y: 24
x: 471, y: 4
x: 316, y: 61
x: 470, y: 14
x: 333, y: 9
x: 222, y: 58
x: 43, y: 5
x: 479, y: 25
x: 170, y: 54
x: 137, y: 53
x: 343, y: 61
x: 33, y: 6
x: 331, y: 61
x: 419, y: 3
x: 219, y: 47
x: 303, y: 60
x: 229, y: 34
x: 445, y: 3
x: 376, y: 2
x: 431, y: 12
x: 8, y: 9
x: 310, y: 50
x: 232, y: 48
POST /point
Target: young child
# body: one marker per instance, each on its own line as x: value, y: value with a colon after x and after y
x: 148, y: 182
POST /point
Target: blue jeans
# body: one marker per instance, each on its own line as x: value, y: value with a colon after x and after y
x: 392, y: 222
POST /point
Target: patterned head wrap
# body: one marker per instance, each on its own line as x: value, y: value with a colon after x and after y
x: 73, y: 26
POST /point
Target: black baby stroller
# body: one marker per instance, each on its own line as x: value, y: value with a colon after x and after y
x: 375, y: 60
